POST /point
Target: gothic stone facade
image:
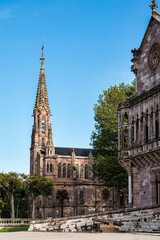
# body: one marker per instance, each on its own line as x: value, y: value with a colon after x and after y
x: 138, y: 129
x: 70, y: 169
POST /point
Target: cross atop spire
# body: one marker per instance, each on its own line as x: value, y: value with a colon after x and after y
x: 153, y: 6
x: 42, y: 59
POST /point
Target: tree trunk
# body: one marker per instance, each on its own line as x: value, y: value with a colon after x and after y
x: 117, y: 204
x: 12, y: 206
x: 17, y: 210
x: 33, y: 208
x: 62, y: 209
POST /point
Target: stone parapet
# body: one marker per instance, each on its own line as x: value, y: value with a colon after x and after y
x: 130, y: 220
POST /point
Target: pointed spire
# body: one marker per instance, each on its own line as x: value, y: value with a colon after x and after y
x: 153, y: 6
x: 42, y: 95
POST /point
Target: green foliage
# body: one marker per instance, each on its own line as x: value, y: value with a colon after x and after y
x: 62, y: 194
x: 105, y: 137
x: 20, y: 186
x: 10, y: 184
x: 108, y: 169
x: 38, y: 185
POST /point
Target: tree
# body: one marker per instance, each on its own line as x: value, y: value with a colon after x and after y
x: 38, y: 186
x: 61, y: 196
x: 105, y: 137
x: 21, y: 198
x: 10, y: 183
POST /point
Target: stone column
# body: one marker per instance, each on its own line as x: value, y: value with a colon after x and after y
x: 144, y: 129
x: 139, y: 131
x: 130, y: 136
x: 154, y: 127
x: 129, y: 188
x: 149, y: 126
x: 159, y: 121
x: 135, y: 130
x: 119, y: 139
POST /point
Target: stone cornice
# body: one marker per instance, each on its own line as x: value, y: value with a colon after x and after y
x: 139, y: 98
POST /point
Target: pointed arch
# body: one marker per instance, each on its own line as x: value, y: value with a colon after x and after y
x: 86, y: 171
x: 59, y: 170
x: 64, y: 170
x: 51, y: 167
x: 69, y: 171
x: 77, y: 171
x: 47, y: 167
x: 81, y: 172
x: 81, y: 198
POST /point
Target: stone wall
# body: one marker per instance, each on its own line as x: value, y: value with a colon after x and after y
x: 147, y: 79
x: 130, y: 220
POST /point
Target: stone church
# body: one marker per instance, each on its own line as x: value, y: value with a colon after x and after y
x: 139, y: 121
x: 70, y: 169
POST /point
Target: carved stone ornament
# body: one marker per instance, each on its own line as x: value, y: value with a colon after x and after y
x: 154, y: 56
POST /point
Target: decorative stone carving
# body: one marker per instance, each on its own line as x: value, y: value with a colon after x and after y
x: 135, y: 59
x: 154, y: 56
x: 157, y: 174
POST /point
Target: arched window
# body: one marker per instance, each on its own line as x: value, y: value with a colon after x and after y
x: 68, y: 171
x: 81, y: 172
x: 125, y: 138
x: 64, y: 170
x: 77, y: 171
x: 86, y: 171
x: 51, y: 167
x: 43, y: 126
x: 47, y: 167
x: 157, y: 124
x: 38, y: 122
x: 59, y: 170
x: 81, y: 198
x: 125, y: 119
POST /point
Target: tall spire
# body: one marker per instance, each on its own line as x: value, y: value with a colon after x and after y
x: 153, y: 6
x: 42, y: 95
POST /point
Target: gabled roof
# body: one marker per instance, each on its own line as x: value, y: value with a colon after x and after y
x: 81, y: 152
x: 155, y: 16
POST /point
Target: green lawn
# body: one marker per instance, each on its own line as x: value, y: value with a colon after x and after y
x: 16, y: 229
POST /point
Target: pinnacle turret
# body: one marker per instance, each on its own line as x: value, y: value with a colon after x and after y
x: 50, y: 140
x: 42, y: 95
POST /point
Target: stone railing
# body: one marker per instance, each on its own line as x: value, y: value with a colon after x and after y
x: 130, y: 220
x: 9, y: 222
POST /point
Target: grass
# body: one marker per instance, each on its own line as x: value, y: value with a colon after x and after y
x: 15, y: 229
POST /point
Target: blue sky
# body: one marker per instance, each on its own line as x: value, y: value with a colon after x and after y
x: 87, y: 49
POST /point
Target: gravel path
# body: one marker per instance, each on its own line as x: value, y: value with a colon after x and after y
x: 75, y: 236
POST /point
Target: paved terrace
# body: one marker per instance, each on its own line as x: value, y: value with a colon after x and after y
x: 75, y: 236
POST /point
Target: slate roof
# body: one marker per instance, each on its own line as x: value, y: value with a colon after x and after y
x: 81, y: 152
